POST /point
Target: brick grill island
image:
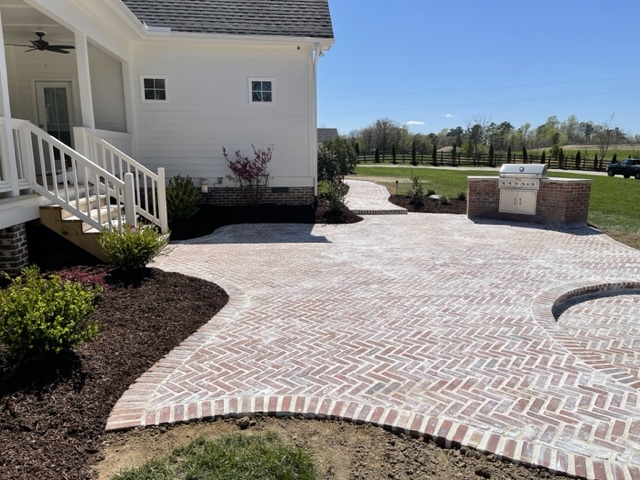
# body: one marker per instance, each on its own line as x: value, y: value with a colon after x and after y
x: 560, y: 201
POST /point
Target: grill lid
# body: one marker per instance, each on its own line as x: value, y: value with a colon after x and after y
x: 527, y: 170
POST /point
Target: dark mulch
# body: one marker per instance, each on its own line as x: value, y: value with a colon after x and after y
x: 429, y: 205
x: 53, y: 412
x: 210, y: 217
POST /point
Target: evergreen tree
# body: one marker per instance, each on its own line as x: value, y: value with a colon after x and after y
x: 453, y: 155
x: 595, y: 162
x: 491, y: 154
x: 414, y: 162
x: 393, y: 154
x: 525, y: 157
x: 561, y: 159
x: 377, y: 155
x: 509, y: 154
x: 356, y: 148
x: 578, y: 160
x: 615, y: 158
x: 543, y: 157
x: 434, y: 156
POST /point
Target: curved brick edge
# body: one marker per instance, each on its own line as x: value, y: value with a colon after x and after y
x: 445, y: 432
x: 132, y: 405
x: 546, y: 305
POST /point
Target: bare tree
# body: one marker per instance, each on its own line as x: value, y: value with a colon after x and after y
x: 604, y: 136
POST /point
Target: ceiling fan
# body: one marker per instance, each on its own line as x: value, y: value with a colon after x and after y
x: 42, y: 45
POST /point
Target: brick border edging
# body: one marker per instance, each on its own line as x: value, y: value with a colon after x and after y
x: 546, y: 304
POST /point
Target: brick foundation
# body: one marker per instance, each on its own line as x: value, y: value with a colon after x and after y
x: 233, y: 196
x: 560, y: 201
x: 14, y: 253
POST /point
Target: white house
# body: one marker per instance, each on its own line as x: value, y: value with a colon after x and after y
x: 93, y: 89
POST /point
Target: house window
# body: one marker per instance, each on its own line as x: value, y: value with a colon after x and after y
x: 261, y: 90
x: 154, y: 89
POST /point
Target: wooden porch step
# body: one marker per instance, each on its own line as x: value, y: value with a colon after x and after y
x: 75, y: 230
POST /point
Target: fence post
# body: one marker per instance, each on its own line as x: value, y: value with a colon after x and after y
x: 162, y: 201
x: 129, y: 200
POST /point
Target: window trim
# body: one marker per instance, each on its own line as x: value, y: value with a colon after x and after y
x: 261, y: 79
x: 154, y: 77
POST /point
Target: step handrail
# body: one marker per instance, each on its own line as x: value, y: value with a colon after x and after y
x: 150, y: 188
x: 83, y: 178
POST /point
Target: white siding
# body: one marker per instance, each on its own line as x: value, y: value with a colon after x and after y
x: 107, y: 91
x: 209, y: 108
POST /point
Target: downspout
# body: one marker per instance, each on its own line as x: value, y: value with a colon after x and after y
x: 314, y: 122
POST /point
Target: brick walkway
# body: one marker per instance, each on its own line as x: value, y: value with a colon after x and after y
x: 429, y: 324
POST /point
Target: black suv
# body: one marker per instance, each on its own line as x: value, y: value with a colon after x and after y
x: 629, y: 167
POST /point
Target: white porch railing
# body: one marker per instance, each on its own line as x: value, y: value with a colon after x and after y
x: 150, y: 194
x: 74, y: 181
x: 122, y: 141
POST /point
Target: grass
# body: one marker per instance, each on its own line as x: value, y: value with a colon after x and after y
x: 614, y: 205
x: 236, y: 456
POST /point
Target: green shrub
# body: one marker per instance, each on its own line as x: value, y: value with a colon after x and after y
x: 183, y: 199
x: 336, y: 158
x: 430, y: 192
x: 416, y: 193
x: 132, y: 249
x: 462, y: 196
x: 444, y: 200
x: 41, y: 315
x: 332, y: 194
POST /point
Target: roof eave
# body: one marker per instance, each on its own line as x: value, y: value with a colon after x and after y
x: 325, y: 43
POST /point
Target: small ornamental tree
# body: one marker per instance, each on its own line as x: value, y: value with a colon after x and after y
x: 525, y: 156
x: 561, y: 159
x: 251, y: 175
x: 543, y: 158
x: 453, y: 154
x: 615, y: 158
x: 414, y: 161
x: 393, y: 154
x: 434, y: 156
x: 509, y: 154
x: 377, y: 155
x: 595, y: 162
x: 578, y: 160
x: 356, y: 148
x: 491, y: 156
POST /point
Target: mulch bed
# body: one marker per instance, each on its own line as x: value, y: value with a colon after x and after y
x: 430, y: 206
x: 53, y: 412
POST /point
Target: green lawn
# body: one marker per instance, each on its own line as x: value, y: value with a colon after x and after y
x: 614, y: 205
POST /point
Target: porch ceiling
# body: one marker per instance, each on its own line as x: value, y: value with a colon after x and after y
x: 20, y: 20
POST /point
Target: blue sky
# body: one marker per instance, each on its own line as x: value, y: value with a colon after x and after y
x: 441, y: 63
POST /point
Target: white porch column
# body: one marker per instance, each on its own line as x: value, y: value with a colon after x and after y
x: 84, y: 81
x: 9, y: 167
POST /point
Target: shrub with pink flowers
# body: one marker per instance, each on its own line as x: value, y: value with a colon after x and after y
x: 250, y: 174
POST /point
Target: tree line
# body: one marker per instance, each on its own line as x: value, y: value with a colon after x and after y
x: 479, y: 135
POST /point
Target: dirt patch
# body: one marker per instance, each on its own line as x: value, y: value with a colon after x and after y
x: 340, y: 450
x: 631, y: 239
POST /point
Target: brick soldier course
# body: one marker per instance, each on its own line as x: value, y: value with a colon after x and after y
x: 428, y: 324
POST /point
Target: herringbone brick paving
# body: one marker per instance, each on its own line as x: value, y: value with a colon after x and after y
x: 430, y: 324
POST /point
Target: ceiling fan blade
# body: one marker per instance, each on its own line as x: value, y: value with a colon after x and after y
x: 66, y: 47
x: 16, y: 45
x: 31, y: 49
x: 55, y: 50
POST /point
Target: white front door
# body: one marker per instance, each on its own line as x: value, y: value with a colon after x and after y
x: 55, y: 111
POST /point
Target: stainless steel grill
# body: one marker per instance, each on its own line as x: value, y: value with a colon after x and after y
x: 519, y: 185
x: 515, y: 176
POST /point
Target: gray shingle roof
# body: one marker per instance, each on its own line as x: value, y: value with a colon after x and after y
x: 291, y: 18
x: 325, y: 134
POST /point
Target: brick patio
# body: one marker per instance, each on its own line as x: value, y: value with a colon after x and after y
x: 427, y: 324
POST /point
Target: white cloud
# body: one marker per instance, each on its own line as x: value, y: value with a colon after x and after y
x: 413, y: 122
x: 449, y: 115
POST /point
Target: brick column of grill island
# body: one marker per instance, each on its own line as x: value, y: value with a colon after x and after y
x: 559, y: 201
